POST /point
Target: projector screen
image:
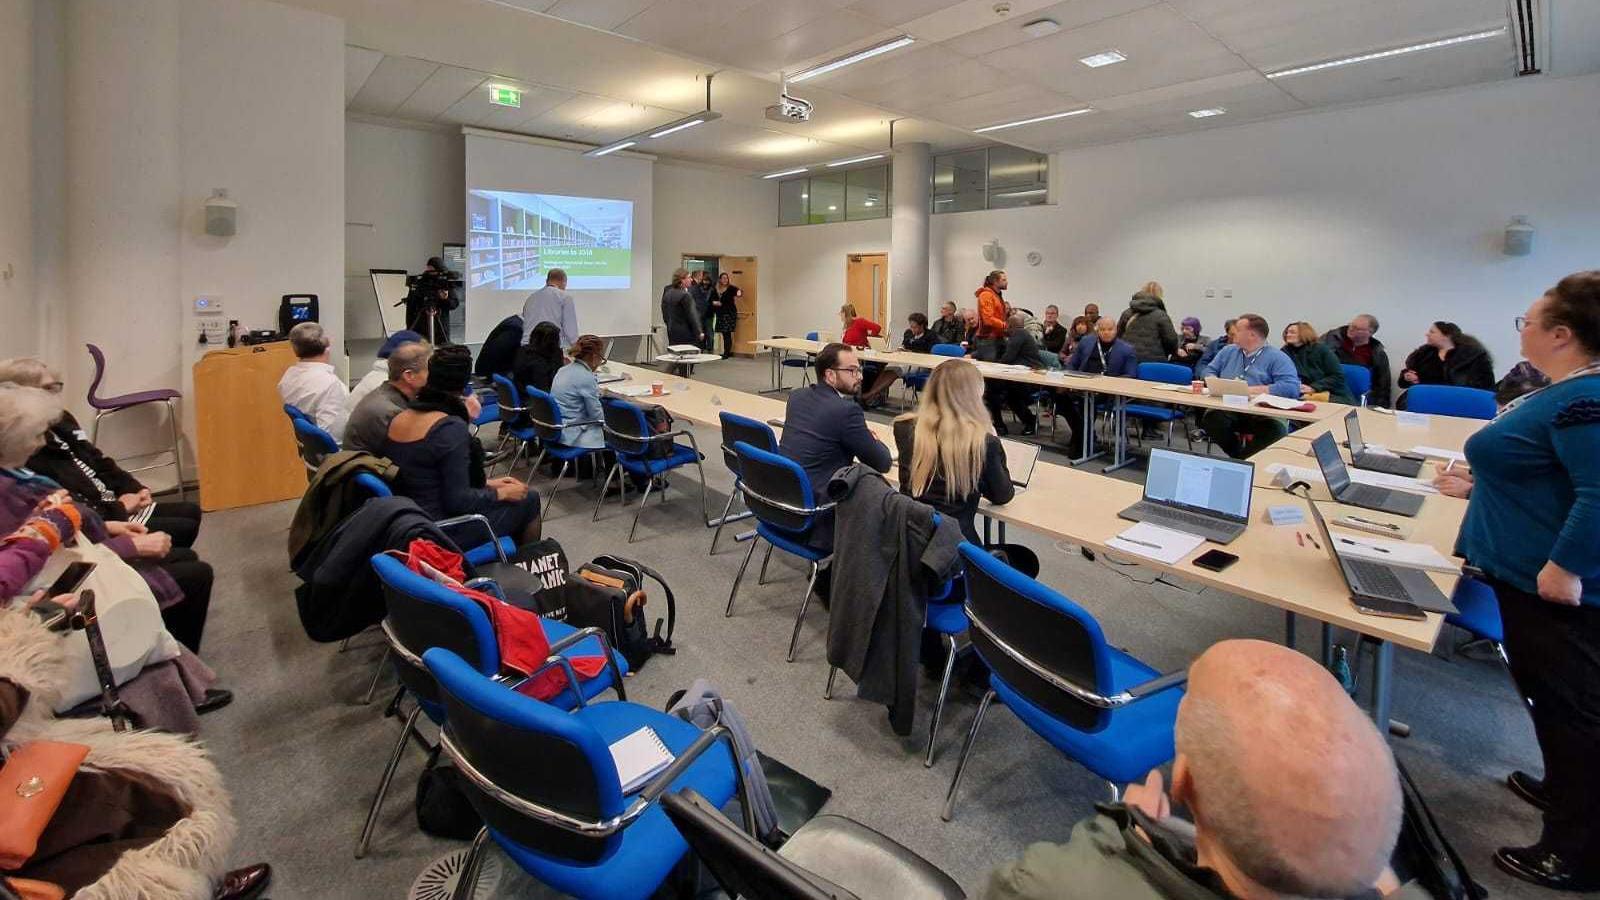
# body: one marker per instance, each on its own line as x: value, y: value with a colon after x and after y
x: 533, y: 206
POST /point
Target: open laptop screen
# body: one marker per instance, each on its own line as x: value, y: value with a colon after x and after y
x: 1332, y: 465
x: 1352, y: 429
x: 1200, y: 482
x: 1021, y: 457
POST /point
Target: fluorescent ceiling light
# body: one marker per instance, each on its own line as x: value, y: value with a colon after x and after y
x: 1397, y: 51
x: 678, y: 127
x: 1103, y: 59
x: 833, y: 209
x: 1206, y: 113
x: 804, y: 195
x: 1028, y: 193
x: 852, y: 59
x: 785, y: 172
x: 1035, y: 119
x: 858, y: 159
x: 610, y: 148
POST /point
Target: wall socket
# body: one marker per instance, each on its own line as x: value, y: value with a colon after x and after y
x: 1210, y: 293
x: 1227, y: 293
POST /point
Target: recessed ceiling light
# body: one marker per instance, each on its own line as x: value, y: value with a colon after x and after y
x: 1035, y: 119
x: 612, y: 148
x: 786, y: 172
x: 1397, y: 51
x: 1038, y: 28
x: 852, y: 59
x: 1207, y: 113
x: 1103, y: 59
x: 857, y: 159
x: 678, y: 127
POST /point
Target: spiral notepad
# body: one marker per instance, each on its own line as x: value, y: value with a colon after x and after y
x: 640, y: 757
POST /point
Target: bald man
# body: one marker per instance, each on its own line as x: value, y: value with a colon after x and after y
x: 1292, y: 789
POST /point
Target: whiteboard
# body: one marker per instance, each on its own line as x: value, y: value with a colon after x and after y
x: 389, y: 285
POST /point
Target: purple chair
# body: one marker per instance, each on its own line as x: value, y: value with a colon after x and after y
x: 105, y: 406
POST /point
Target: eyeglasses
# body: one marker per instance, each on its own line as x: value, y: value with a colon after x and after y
x: 1521, y: 322
x: 854, y: 370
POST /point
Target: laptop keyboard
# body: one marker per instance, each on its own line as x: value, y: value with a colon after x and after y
x: 1376, y: 580
x: 1365, y: 493
x: 1166, y: 513
x: 1389, y: 465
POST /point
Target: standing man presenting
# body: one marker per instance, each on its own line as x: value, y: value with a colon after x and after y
x: 552, y: 304
x: 700, y: 291
x: 991, y: 316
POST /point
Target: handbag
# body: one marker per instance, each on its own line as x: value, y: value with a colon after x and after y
x: 130, y: 620
x: 29, y: 889
x: 32, y: 782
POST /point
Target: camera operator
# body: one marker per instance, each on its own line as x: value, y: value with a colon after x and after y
x: 437, y: 290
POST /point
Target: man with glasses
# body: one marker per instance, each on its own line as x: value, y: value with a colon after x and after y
x: 368, y: 427
x: 1356, y: 345
x: 824, y: 429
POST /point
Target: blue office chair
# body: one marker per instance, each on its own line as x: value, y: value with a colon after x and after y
x: 1450, y: 400
x: 949, y: 350
x: 509, y: 408
x: 315, y: 444
x: 801, y: 363
x: 293, y: 412
x: 915, y: 382
x: 1165, y: 373
x: 737, y: 428
x: 548, y: 425
x: 1050, y: 663
x: 423, y: 614
x: 547, y: 788
x: 630, y: 440
x: 778, y: 491
x: 1359, y: 380
x: 1478, y: 614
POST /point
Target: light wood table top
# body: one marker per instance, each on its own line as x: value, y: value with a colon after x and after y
x: 1396, y: 433
x: 1081, y: 507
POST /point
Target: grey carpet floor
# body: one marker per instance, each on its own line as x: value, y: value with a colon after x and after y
x: 302, y: 754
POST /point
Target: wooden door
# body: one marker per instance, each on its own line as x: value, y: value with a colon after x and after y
x: 866, y: 285
x: 741, y: 272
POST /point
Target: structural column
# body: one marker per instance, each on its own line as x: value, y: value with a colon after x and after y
x: 908, y: 231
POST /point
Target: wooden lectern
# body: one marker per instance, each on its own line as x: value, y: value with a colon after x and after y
x: 246, y: 446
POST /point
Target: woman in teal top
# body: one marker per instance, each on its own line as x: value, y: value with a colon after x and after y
x: 1533, y: 527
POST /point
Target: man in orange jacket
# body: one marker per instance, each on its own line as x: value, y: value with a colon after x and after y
x: 991, y: 308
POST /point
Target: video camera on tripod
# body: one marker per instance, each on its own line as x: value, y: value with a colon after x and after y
x: 430, y: 296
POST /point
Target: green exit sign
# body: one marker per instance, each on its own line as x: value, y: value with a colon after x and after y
x: 504, y: 96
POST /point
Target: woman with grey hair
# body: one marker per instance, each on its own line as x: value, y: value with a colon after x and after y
x: 94, y: 478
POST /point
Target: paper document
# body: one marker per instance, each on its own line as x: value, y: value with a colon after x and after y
x: 1411, y: 420
x: 1002, y: 367
x: 1174, y: 388
x: 1282, y: 475
x: 640, y: 757
x: 1157, y: 543
x: 1401, y: 554
x: 635, y: 390
x: 1439, y: 453
x: 1276, y: 402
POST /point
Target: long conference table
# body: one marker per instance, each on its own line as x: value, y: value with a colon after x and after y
x: 1081, y: 507
x: 1121, y: 391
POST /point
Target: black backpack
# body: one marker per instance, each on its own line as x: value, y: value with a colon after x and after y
x: 1422, y: 854
x: 612, y: 580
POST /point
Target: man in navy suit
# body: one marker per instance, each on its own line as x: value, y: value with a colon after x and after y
x: 824, y: 429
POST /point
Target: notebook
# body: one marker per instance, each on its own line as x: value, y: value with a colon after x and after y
x: 640, y: 757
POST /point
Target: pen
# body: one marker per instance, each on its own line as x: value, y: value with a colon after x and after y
x: 1388, y: 525
x: 1314, y: 541
x: 1139, y: 542
x: 1366, y: 546
x: 1300, y: 538
x: 1449, y: 465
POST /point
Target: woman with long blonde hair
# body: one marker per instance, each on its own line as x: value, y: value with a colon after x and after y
x: 949, y: 455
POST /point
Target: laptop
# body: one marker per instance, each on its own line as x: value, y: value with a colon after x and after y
x: 1195, y: 494
x: 1376, y: 462
x: 1021, y: 457
x: 880, y: 344
x: 826, y: 337
x: 1220, y: 387
x: 1383, y: 590
x: 1367, y: 496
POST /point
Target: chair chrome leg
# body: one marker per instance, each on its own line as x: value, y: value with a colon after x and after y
x: 554, y: 486
x: 177, y: 449
x: 377, y: 676
x: 383, y: 785
x: 966, y: 755
x: 602, y: 499
x: 800, y: 618
x: 467, y: 883
x: 1116, y: 792
x: 742, y: 566
x: 642, y: 501
x: 94, y: 429
x: 705, y: 514
x: 762, y: 577
x: 726, y: 508
x: 944, y: 694
x: 827, y: 692
x: 533, y: 468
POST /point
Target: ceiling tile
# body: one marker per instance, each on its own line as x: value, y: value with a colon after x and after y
x: 1426, y: 71
x: 358, y: 65
x: 862, y: 77
x: 395, y: 78
x: 607, y: 14
x: 1018, y: 101
x: 819, y: 40
x: 1243, y: 103
x: 1094, y: 128
x: 475, y: 108
x: 898, y: 12
x: 683, y: 25
x: 956, y: 80
x: 443, y: 89
x: 531, y: 5
x: 1069, y: 15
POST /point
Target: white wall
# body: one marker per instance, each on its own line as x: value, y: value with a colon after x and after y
x: 16, y: 183
x: 1395, y: 208
x: 404, y: 198
x: 707, y: 211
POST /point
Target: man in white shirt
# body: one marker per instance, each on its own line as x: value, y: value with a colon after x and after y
x: 312, y: 384
x: 552, y: 304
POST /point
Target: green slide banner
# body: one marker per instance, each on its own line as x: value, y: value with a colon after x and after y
x: 587, y: 260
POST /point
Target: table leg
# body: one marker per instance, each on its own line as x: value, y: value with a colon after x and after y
x: 986, y: 523
x: 1002, y: 532
x: 776, y: 356
x: 1086, y: 432
x: 1119, y: 453
x: 1382, y: 683
x: 1327, y: 645
x: 1288, y: 630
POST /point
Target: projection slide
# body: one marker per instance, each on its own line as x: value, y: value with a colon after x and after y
x: 515, y: 238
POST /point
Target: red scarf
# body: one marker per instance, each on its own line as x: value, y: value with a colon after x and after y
x: 519, y: 632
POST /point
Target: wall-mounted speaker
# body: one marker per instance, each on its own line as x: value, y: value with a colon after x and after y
x: 1519, y: 237
x: 221, y: 214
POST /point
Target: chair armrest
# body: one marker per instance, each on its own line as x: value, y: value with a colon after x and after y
x: 572, y: 677
x: 512, y: 680
x: 605, y: 649
x: 659, y: 784
x: 1153, y: 686
x: 479, y: 519
x: 487, y: 585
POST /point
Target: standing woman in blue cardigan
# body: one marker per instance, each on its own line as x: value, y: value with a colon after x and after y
x: 1533, y: 526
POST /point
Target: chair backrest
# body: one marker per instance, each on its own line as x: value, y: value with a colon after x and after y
x: 742, y: 865
x: 314, y: 442
x: 544, y: 415
x: 507, y: 397
x: 99, y: 372
x: 293, y: 412
x: 1451, y: 400
x: 811, y: 335
x: 949, y: 350
x: 1359, y: 380
x: 373, y: 485
x: 1044, y: 646
x: 531, y: 753
x: 776, y: 489
x: 626, y: 428
x: 422, y: 615
x: 736, y: 428
x: 1166, y: 373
